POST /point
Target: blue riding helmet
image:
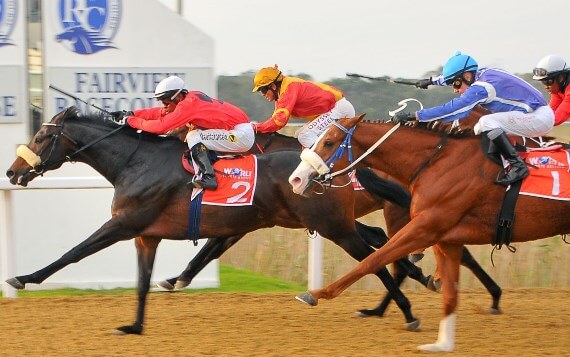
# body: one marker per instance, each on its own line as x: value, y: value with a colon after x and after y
x: 458, y: 64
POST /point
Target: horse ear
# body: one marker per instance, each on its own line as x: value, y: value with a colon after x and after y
x: 361, y: 116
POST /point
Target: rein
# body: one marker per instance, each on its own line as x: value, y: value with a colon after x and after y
x: 42, y: 166
x: 347, y: 143
x: 428, y: 161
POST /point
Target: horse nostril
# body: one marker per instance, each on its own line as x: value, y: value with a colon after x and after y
x: 10, y: 174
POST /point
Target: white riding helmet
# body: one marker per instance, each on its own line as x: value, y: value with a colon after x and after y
x: 549, y: 66
x: 170, y: 87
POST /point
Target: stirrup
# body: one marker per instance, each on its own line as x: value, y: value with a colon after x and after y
x: 506, y: 181
x: 211, y: 184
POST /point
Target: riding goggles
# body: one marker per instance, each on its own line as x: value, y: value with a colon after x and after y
x: 540, y: 72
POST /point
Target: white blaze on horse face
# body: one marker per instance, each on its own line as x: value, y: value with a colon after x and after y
x: 299, y: 179
x: 28, y: 155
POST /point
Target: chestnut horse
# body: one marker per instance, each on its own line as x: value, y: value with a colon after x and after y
x: 151, y: 200
x: 392, y: 199
x: 454, y: 202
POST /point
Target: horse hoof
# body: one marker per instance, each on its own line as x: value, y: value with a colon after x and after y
x: 165, y: 285
x: 367, y: 313
x: 494, y: 311
x: 181, y: 284
x: 413, y: 326
x: 436, y: 347
x: 128, y: 330
x: 307, y: 298
x: 433, y: 285
x: 414, y: 258
x: 15, y: 283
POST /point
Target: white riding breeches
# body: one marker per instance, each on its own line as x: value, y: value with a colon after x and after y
x: 240, y: 139
x: 538, y: 123
x: 308, y: 133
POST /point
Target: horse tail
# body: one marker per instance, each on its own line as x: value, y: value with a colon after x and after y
x: 383, y: 188
x: 373, y: 236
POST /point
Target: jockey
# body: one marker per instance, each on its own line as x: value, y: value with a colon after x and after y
x: 554, y: 74
x: 221, y: 125
x: 319, y: 103
x: 516, y: 107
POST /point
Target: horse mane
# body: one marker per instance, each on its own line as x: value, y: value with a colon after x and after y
x: 436, y: 127
x: 103, y: 119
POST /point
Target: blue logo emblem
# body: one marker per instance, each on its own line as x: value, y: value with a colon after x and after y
x: 544, y: 160
x: 8, y: 12
x: 236, y: 171
x: 87, y: 26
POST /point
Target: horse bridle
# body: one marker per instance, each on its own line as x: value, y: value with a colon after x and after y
x: 324, y: 168
x: 43, y: 165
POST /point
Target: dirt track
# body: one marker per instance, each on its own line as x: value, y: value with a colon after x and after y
x: 535, y: 322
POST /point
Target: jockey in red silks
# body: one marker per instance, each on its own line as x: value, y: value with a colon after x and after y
x: 553, y: 72
x: 220, y: 126
x: 321, y: 104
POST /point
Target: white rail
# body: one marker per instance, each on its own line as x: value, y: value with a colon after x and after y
x: 6, y: 220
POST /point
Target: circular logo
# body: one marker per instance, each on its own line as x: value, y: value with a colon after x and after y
x: 86, y: 26
x: 8, y: 14
x: 232, y: 138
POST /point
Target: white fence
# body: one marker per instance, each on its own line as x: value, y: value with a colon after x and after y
x: 40, y: 223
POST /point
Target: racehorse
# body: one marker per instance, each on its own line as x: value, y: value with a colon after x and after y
x: 454, y: 202
x: 391, y: 198
x: 151, y: 199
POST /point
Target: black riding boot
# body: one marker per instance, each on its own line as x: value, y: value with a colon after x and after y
x: 518, y: 169
x: 208, y: 181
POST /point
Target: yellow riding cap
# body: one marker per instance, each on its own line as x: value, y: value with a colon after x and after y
x: 265, y: 77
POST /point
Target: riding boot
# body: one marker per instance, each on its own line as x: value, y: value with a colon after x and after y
x: 518, y: 170
x: 208, y: 180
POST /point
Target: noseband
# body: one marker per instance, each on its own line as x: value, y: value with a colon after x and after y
x: 40, y: 166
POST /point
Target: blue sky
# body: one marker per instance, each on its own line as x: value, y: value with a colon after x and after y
x: 404, y: 38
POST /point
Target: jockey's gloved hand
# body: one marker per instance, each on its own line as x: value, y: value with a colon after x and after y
x: 402, y: 117
x: 121, y: 115
x: 424, y: 83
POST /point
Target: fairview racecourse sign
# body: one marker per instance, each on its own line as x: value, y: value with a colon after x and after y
x: 109, y: 90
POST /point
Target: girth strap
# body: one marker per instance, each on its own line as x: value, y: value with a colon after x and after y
x: 194, y: 218
x: 507, y: 217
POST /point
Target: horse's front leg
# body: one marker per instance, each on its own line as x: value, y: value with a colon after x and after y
x: 146, y: 252
x: 110, y: 233
x: 418, y: 234
x: 448, y: 259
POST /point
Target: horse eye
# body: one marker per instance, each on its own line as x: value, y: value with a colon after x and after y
x: 328, y: 144
x: 38, y: 140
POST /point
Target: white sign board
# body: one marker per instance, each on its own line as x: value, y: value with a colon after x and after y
x: 13, y: 96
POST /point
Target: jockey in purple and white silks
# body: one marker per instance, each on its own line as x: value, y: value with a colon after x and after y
x: 517, y: 108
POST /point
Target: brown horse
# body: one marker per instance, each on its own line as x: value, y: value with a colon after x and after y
x: 454, y: 202
x: 151, y: 200
x: 392, y: 199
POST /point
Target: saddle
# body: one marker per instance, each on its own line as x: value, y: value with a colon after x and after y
x: 506, y: 215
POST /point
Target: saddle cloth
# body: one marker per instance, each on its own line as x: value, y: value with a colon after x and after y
x: 549, y: 174
x: 237, y: 179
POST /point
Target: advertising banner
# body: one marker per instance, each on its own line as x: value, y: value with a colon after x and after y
x: 13, y: 96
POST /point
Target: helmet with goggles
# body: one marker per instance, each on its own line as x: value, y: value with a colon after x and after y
x: 458, y: 64
x: 169, y: 88
x: 549, y: 67
x: 265, y: 77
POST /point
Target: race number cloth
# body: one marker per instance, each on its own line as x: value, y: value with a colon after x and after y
x: 237, y: 178
x: 355, y: 183
x: 549, y: 174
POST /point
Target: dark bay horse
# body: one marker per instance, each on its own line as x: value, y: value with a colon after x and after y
x: 391, y: 198
x: 454, y: 202
x: 151, y: 199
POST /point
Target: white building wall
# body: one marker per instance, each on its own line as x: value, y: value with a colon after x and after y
x: 148, y: 42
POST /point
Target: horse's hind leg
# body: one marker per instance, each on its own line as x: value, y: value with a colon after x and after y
x: 146, y: 252
x: 213, y: 249
x: 468, y: 261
